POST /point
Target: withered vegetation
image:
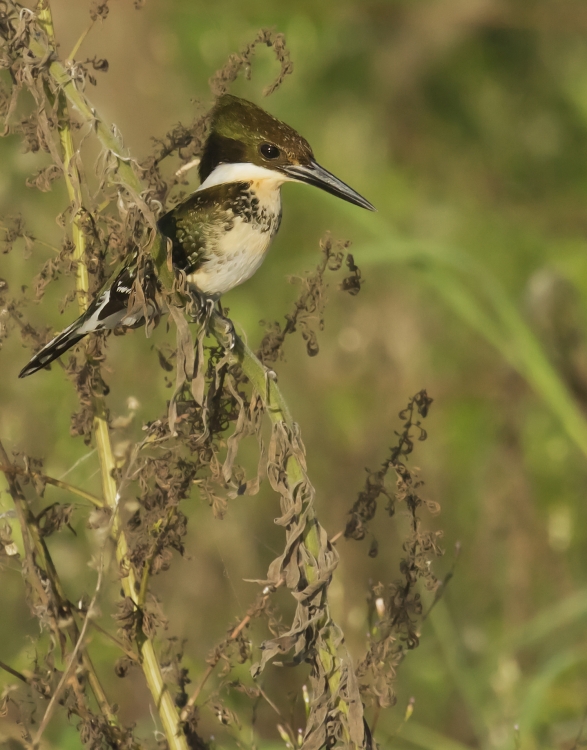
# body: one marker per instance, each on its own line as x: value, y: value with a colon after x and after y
x: 219, y: 399
x: 308, y: 310
x: 396, y: 608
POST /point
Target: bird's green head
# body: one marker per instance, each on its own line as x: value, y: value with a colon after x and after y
x: 241, y: 133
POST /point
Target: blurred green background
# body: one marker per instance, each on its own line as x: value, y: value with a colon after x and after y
x: 465, y: 123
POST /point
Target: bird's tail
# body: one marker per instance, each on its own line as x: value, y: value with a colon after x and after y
x: 55, y: 348
x: 108, y: 311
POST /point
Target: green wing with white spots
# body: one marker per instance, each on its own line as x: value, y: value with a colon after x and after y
x: 196, y: 225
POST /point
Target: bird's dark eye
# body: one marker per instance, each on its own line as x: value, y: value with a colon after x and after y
x: 269, y: 151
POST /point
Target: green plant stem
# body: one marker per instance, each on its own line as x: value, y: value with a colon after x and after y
x: 149, y: 663
x: 130, y: 585
x: 144, y: 585
x: 56, y: 483
x: 278, y: 411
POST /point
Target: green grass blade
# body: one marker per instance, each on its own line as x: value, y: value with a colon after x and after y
x: 481, y: 302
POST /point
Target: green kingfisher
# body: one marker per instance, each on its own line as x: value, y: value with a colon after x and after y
x: 221, y: 233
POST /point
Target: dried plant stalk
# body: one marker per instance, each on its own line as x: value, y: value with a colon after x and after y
x: 307, y: 564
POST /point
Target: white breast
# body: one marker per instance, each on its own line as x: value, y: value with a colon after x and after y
x: 238, y: 253
x: 237, y: 256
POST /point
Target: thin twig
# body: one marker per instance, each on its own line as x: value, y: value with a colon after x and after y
x: 72, y: 659
x: 264, y: 695
x: 80, y: 41
x: 441, y: 590
x: 55, y: 482
x: 14, y: 673
x: 233, y: 636
x: 131, y: 654
x: 186, y: 167
x: 578, y: 740
x: 336, y: 537
x: 142, y: 598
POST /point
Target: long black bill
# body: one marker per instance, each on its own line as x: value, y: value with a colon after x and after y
x: 314, y: 174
